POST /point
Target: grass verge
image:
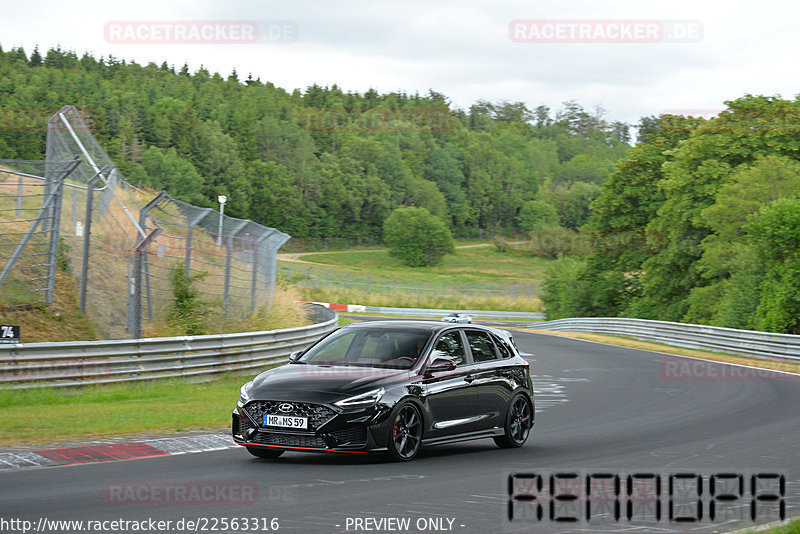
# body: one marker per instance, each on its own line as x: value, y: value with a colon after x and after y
x: 477, y: 277
x: 45, y: 415
x: 61, y: 321
x: 423, y: 300
x: 282, y: 313
x: 793, y: 527
x: 478, y: 263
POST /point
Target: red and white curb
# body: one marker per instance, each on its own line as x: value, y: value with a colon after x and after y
x: 352, y: 308
x: 108, y: 452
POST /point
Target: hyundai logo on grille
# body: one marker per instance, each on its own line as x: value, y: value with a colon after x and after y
x: 285, y: 407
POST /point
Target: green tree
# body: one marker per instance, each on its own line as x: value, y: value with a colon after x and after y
x: 703, y: 163
x: 165, y: 169
x: 729, y: 261
x: 424, y: 194
x: 563, y: 293
x: 537, y: 215
x: 416, y: 237
x: 611, y: 279
x: 776, y: 228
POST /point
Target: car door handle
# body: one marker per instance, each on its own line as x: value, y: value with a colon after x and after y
x: 470, y: 378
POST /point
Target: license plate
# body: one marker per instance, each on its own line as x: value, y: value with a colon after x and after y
x: 285, y: 421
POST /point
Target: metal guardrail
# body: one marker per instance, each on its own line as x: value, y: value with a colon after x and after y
x: 428, y: 312
x: 713, y: 338
x: 74, y: 363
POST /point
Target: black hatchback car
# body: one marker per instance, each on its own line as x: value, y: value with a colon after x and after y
x: 390, y: 386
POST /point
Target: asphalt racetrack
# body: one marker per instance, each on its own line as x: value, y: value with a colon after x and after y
x: 647, y: 423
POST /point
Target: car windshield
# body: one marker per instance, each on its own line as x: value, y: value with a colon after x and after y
x: 369, y: 347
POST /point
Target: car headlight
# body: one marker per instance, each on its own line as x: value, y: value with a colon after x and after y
x: 244, y: 397
x: 365, y: 399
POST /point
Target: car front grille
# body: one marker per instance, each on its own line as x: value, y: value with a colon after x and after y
x: 350, y: 435
x: 239, y: 426
x: 289, y: 440
x: 317, y: 414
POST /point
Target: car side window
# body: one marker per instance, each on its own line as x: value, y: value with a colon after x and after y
x: 505, y: 351
x: 450, y: 345
x: 481, y: 345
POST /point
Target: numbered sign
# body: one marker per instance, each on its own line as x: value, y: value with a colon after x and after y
x: 9, y: 334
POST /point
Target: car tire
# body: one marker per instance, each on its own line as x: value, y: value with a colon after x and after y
x: 519, y: 421
x: 264, y: 452
x: 405, y: 433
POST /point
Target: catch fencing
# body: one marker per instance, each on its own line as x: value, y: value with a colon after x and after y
x: 695, y: 336
x: 29, y: 230
x: 122, y: 244
x: 78, y: 363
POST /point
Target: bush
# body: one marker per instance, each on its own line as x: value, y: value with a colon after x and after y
x: 563, y: 293
x: 416, y: 237
x: 188, y: 313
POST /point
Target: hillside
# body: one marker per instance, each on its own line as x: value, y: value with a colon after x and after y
x: 320, y: 164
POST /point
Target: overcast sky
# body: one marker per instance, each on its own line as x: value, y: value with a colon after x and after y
x: 460, y: 48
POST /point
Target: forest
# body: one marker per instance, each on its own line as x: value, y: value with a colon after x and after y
x: 697, y: 221
x: 320, y: 164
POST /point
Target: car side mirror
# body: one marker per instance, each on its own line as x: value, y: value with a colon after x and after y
x: 293, y: 357
x: 441, y: 364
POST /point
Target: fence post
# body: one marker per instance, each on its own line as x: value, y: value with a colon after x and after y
x: 275, y: 242
x: 74, y: 207
x: 510, y: 292
x: 190, y: 235
x: 55, y: 210
x: 87, y: 233
x: 255, y: 273
x: 20, y: 192
x: 138, y: 261
x: 228, y: 259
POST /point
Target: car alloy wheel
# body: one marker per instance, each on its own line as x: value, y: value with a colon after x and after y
x: 518, y: 423
x: 406, y: 433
